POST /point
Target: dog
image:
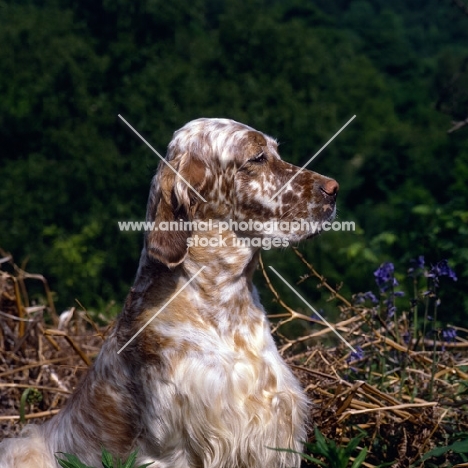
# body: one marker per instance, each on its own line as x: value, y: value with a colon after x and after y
x: 190, y: 375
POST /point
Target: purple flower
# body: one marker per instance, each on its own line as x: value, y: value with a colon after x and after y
x: 385, y: 279
x: 360, y: 298
x: 384, y: 275
x: 449, y: 335
x: 406, y: 337
x: 391, y: 311
x: 370, y: 296
x: 416, y: 264
x: 442, y: 269
x: 356, y: 355
x: 445, y: 270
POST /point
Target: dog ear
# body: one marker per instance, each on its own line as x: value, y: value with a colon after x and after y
x: 172, y: 200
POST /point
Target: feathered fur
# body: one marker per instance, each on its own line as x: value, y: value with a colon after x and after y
x: 202, y: 385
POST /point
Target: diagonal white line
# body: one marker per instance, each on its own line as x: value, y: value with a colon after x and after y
x: 313, y: 157
x: 329, y: 325
x: 161, y: 309
x: 160, y: 157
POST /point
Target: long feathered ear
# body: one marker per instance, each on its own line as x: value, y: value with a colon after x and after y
x: 172, y: 200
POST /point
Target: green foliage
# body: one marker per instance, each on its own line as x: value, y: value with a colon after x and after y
x: 335, y: 456
x: 71, y: 461
x: 79, y: 258
x: 332, y: 455
x: 459, y: 447
x: 29, y: 396
x: 399, y: 349
x: 108, y: 461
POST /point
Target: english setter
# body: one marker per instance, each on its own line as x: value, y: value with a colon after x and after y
x: 202, y: 385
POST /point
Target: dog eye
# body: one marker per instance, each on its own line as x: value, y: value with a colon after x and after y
x: 261, y: 158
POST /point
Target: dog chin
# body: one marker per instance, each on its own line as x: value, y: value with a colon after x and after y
x: 319, y: 229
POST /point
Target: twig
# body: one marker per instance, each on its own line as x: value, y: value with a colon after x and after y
x: 42, y: 414
x: 72, y: 343
x: 393, y: 408
x: 457, y: 125
x: 32, y: 366
x: 323, y: 280
x: 291, y: 313
x: 37, y: 387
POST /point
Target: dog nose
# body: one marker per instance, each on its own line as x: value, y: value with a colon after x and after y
x: 330, y: 187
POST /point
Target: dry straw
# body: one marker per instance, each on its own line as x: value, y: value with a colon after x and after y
x: 381, y: 393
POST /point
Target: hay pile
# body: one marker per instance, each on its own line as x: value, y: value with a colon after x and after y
x: 404, y: 397
x: 402, y: 400
x: 38, y: 350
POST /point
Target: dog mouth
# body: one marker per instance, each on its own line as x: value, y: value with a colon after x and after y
x: 318, y: 228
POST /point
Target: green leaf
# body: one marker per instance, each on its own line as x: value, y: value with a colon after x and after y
x: 71, y: 461
x: 314, y: 460
x: 320, y: 442
x: 423, y: 210
x: 387, y: 238
x: 131, y: 460
x: 359, y: 460
x: 461, y: 446
x: 352, y: 445
x: 107, y: 459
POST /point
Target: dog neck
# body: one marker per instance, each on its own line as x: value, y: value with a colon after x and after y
x: 218, y: 284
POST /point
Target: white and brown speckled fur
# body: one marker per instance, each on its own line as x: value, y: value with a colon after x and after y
x: 203, y: 386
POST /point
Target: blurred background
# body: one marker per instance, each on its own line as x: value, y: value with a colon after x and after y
x: 294, y: 69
